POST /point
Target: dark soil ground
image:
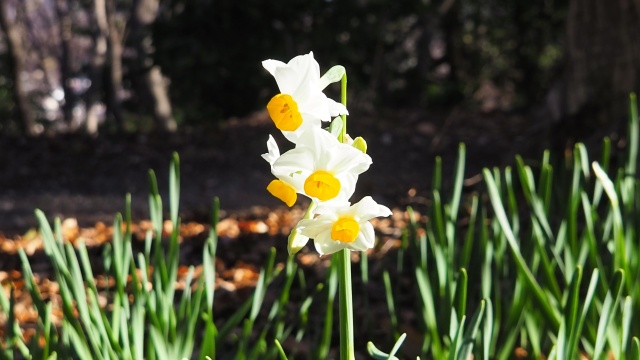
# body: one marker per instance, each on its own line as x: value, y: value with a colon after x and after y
x: 87, y: 178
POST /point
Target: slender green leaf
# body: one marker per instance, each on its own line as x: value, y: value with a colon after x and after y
x: 634, y: 354
x: 550, y: 313
x: 377, y: 354
x: 607, y: 312
x: 390, y: 302
x: 469, y: 340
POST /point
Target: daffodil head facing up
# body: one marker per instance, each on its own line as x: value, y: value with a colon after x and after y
x: 340, y: 226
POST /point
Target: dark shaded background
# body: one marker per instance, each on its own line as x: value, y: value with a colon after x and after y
x: 93, y: 93
x: 488, y: 56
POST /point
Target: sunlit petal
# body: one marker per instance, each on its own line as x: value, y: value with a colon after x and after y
x: 366, y: 238
x: 313, y: 227
x: 366, y: 209
x: 295, y: 160
x: 336, y: 108
x: 271, y: 65
x: 325, y: 245
x: 346, y: 158
x: 273, y: 151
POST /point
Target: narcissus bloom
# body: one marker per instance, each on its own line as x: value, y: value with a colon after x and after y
x: 301, y: 103
x: 321, y: 167
x: 343, y: 226
x: 284, y: 188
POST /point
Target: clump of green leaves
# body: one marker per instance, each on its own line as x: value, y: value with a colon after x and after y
x: 146, y: 317
x: 552, y: 256
x: 542, y: 258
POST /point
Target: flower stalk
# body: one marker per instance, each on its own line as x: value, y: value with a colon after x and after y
x: 343, y: 101
x: 343, y: 258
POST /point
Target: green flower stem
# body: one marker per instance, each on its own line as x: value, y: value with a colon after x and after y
x: 343, y: 100
x: 343, y: 258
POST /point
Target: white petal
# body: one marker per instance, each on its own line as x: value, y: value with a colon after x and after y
x: 365, y: 239
x: 306, y: 63
x: 346, y: 158
x: 367, y: 209
x: 308, y: 71
x: 332, y: 207
x: 307, y: 123
x: 299, y: 77
x: 315, y: 106
x: 273, y: 152
x: 347, y: 185
x: 288, y: 80
x: 325, y: 245
x: 318, y: 139
x: 294, y: 160
x: 314, y: 227
x: 336, y: 108
x: 271, y: 65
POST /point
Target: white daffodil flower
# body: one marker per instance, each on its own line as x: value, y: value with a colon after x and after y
x: 343, y: 226
x: 301, y: 103
x: 284, y: 187
x: 321, y: 167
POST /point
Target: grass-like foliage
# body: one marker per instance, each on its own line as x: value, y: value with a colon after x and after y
x: 146, y: 317
x: 549, y: 262
x: 544, y: 258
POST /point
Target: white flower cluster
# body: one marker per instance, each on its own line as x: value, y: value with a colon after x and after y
x: 319, y: 166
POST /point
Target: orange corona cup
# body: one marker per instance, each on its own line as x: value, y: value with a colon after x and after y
x: 283, y: 110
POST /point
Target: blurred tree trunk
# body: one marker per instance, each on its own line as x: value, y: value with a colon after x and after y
x: 426, y: 23
x: 17, y: 55
x: 439, y: 21
x: 106, y: 67
x: 66, y: 67
x: 151, y: 86
x: 99, y: 58
x: 449, y: 11
x: 115, y: 44
x: 602, y: 59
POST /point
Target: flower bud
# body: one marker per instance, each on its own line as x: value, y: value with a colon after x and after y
x: 360, y: 144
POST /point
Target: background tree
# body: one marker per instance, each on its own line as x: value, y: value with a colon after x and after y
x: 99, y: 58
x: 602, y: 60
x: 149, y: 82
x: 16, y: 59
x: 65, y: 25
x: 489, y: 55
